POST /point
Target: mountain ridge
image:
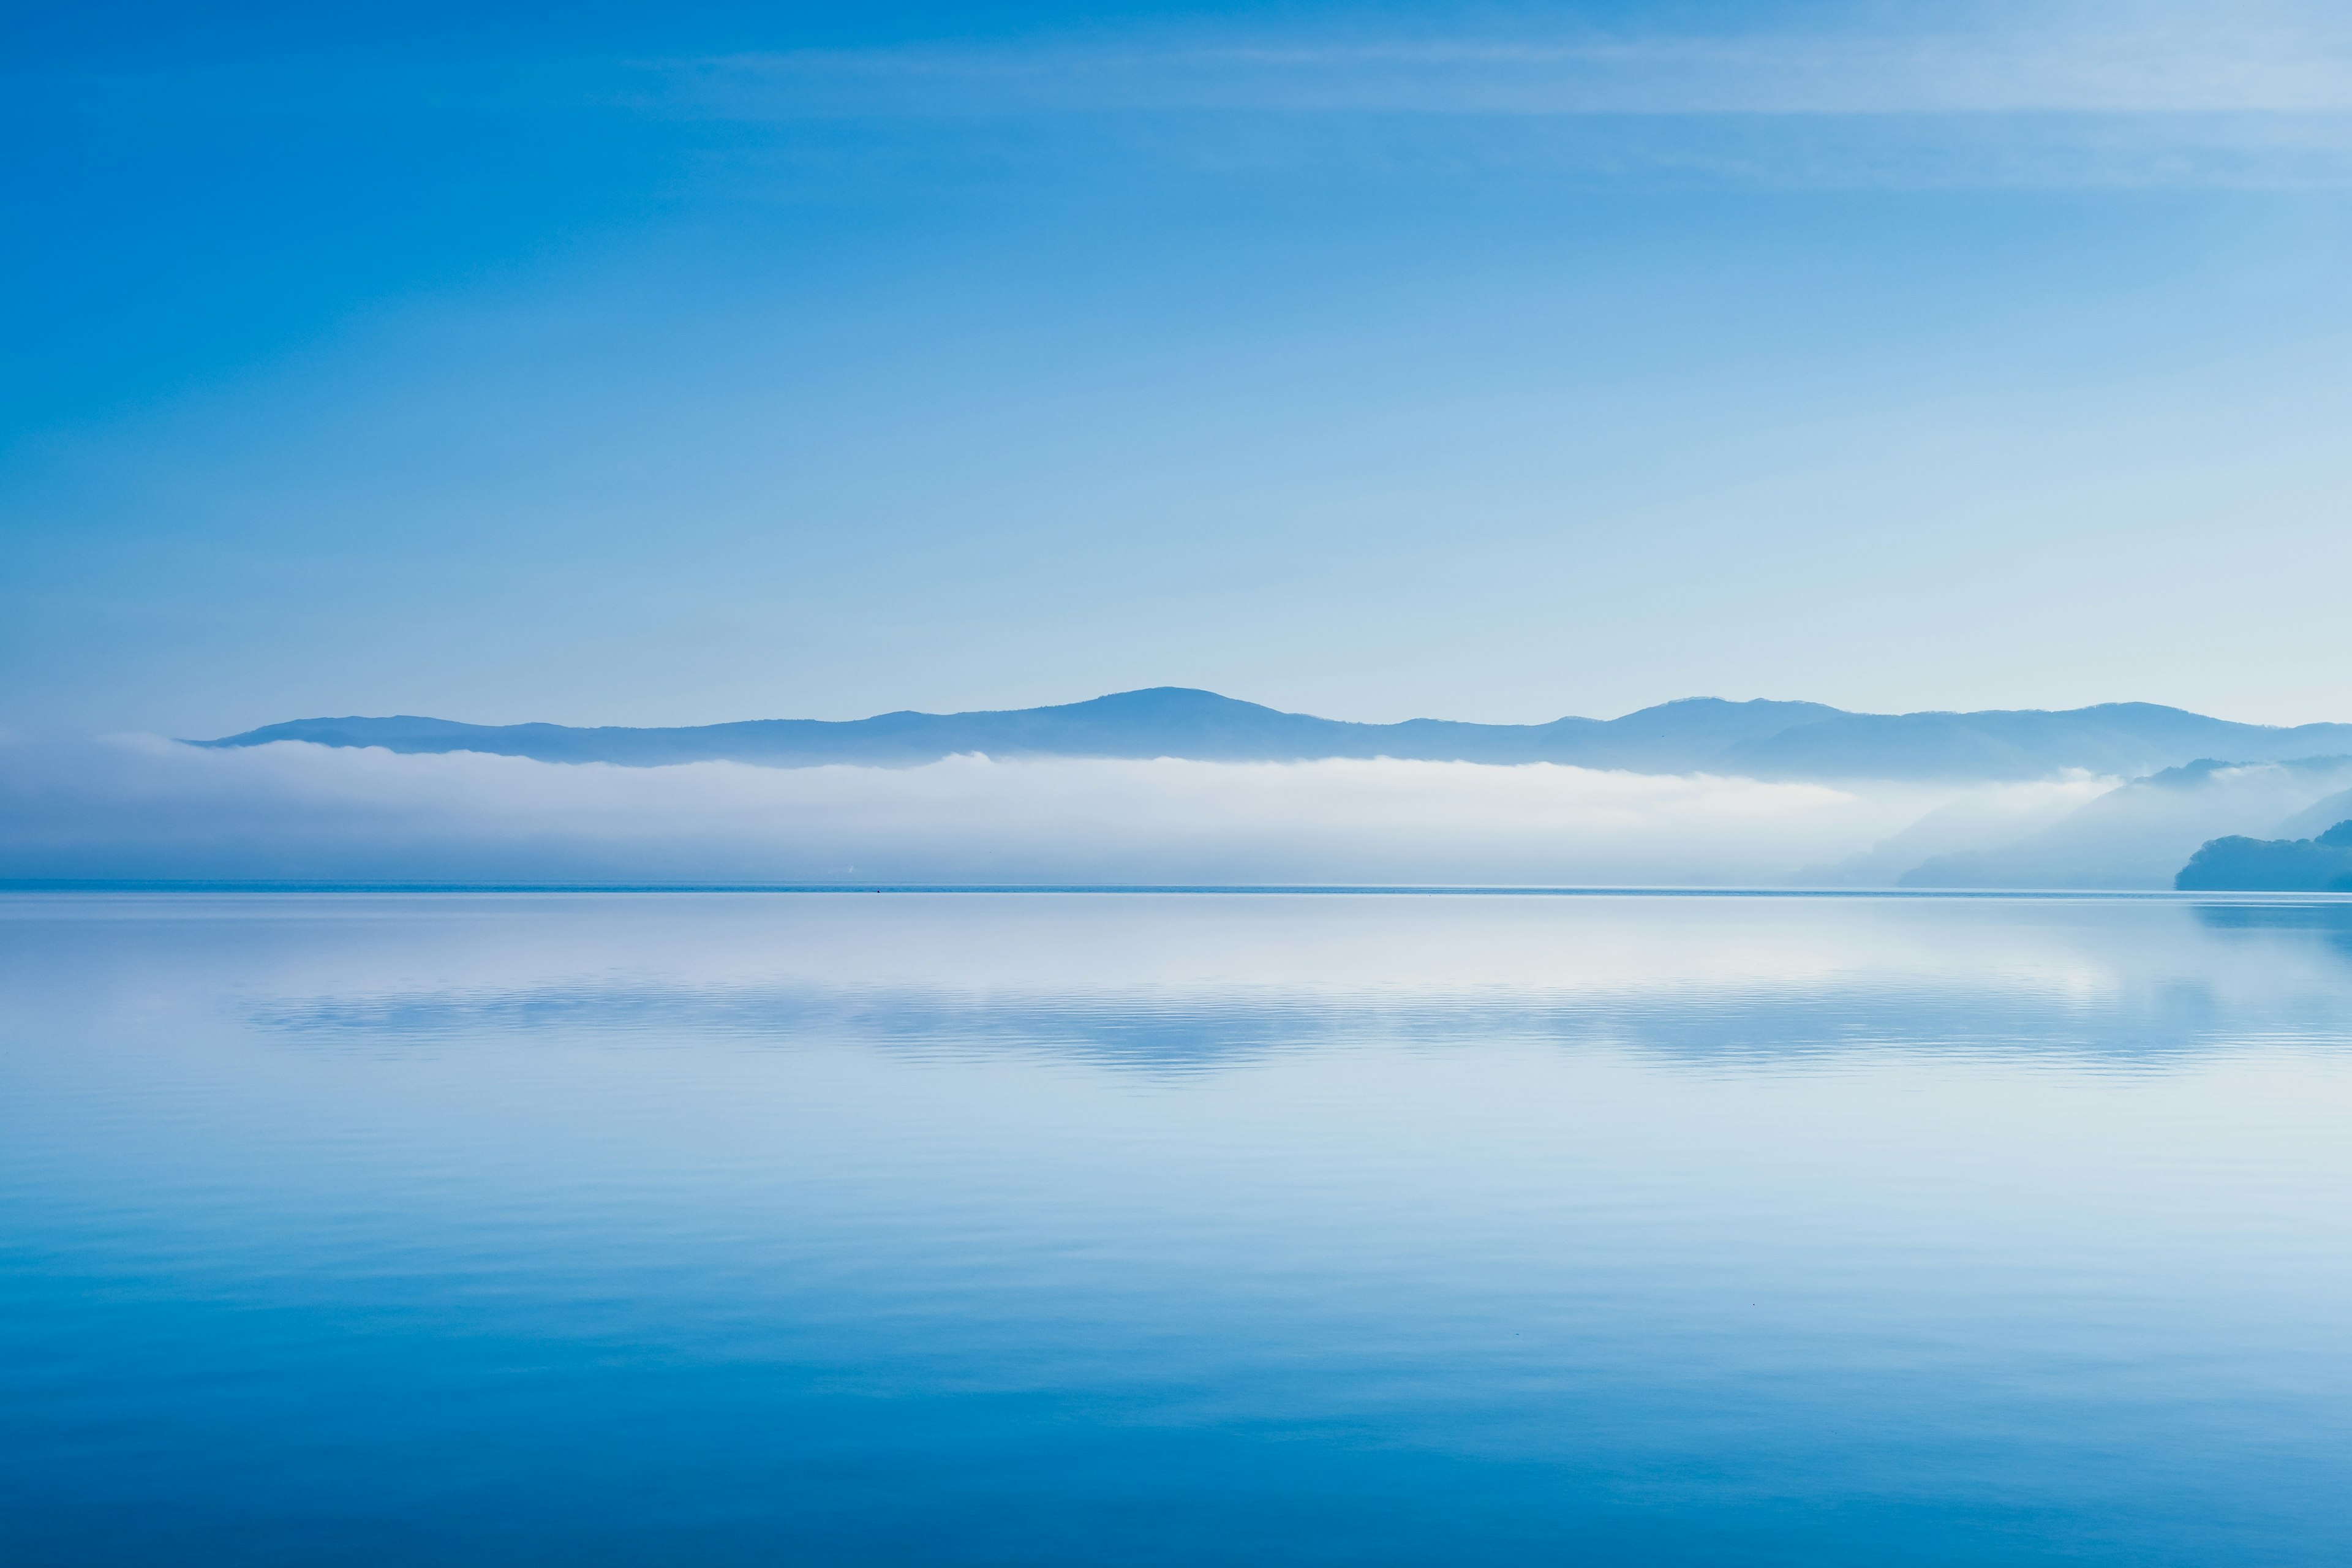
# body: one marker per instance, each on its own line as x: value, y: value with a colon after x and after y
x: 1760, y: 738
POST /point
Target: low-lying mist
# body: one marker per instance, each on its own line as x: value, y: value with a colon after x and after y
x: 138, y: 807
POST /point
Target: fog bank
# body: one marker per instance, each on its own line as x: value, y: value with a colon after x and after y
x: 143, y: 808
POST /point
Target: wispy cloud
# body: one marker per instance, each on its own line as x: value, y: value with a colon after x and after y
x: 2080, y: 95
x: 2160, y: 59
x: 2147, y: 93
x: 2162, y: 66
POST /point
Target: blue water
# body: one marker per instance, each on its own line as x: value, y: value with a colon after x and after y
x: 1031, y: 1230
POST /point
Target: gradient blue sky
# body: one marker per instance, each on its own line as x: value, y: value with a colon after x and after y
x: 671, y: 364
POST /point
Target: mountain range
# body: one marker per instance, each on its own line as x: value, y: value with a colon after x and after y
x: 1759, y: 739
x: 2138, y: 834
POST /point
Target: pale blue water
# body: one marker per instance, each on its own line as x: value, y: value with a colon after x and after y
x: 945, y: 1229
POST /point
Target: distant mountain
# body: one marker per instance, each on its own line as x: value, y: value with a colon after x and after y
x: 1759, y: 739
x: 1976, y: 820
x: 2137, y: 834
x: 1161, y: 721
x: 2317, y: 817
x: 2318, y: 865
x: 2115, y: 739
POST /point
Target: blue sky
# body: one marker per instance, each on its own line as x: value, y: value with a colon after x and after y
x: 671, y: 365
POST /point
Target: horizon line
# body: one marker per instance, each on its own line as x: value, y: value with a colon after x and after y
x: 14, y: 885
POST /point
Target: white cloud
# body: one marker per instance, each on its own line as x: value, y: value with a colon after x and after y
x: 2163, y: 94
x: 2124, y: 92
x: 2082, y: 58
x: 141, y: 807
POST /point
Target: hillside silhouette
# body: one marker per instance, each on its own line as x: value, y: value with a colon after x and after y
x: 2317, y: 865
x: 1759, y: 739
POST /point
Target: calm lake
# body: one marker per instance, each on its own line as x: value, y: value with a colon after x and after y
x: 1174, y: 1228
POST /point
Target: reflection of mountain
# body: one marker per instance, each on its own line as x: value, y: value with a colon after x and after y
x: 2329, y: 920
x: 1753, y: 1028
x: 1760, y: 739
x: 2320, y: 865
x: 2138, y: 836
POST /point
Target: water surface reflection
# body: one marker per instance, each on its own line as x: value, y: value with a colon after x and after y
x: 1081, y: 1228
